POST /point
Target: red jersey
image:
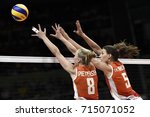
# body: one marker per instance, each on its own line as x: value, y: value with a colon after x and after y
x: 86, y: 83
x: 119, y: 84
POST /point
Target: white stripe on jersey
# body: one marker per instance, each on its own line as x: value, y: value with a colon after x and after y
x: 113, y: 89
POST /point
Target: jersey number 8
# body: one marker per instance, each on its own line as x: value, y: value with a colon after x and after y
x: 91, y: 87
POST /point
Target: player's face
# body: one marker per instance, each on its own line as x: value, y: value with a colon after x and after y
x: 104, y: 56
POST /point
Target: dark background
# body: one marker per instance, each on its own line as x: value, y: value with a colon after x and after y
x: 105, y: 21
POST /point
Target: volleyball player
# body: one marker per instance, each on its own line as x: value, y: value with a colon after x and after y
x: 114, y: 71
x: 83, y: 72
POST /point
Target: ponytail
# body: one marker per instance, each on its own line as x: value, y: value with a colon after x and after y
x: 126, y: 50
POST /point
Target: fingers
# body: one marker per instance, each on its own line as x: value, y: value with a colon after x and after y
x: 38, y: 32
x: 59, y: 27
x: 78, y: 24
x: 56, y: 28
x: 56, y: 25
x: 45, y: 30
x: 35, y: 29
x: 62, y: 30
x: 53, y: 28
x: 39, y: 27
x: 52, y: 35
x: 79, y: 29
x: 33, y: 34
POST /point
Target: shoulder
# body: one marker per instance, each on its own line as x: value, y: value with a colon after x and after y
x: 116, y: 63
x: 92, y: 65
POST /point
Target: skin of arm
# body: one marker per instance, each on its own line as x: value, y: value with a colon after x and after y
x: 66, y: 36
x: 62, y: 60
x: 101, y: 66
x: 95, y: 47
x: 59, y: 36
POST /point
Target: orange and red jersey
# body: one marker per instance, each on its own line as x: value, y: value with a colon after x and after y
x: 119, y: 84
x: 86, y: 83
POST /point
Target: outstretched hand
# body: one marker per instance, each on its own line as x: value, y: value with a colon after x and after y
x: 63, y: 32
x: 57, y: 34
x: 41, y: 34
x: 79, y: 29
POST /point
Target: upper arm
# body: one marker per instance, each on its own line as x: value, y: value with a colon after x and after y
x: 97, y: 51
x: 68, y: 66
x: 75, y: 44
x: 101, y: 65
x: 69, y: 45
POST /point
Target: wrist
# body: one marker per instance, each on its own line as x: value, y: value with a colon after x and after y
x: 82, y: 34
x: 44, y: 37
x: 61, y: 38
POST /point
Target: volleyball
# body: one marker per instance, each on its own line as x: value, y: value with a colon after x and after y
x: 19, y: 12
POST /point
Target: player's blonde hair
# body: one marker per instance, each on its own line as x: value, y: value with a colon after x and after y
x: 86, y: 56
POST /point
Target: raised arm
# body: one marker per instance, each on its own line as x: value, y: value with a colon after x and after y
x: 59, y: 36
x: 102, y: 66
x: 95, y: 47
x: 68, y: 38
x: 62, y: 60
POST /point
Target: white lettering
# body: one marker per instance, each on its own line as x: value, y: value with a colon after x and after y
x: 120, y: 68
x: 87, y: 73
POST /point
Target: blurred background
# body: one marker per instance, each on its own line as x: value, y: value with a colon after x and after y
x: 105, y: 21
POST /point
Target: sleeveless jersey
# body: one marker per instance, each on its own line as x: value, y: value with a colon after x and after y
x: 86, y: 83
x: 119, y: 84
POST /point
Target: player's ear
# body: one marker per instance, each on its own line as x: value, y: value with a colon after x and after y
x: 109, y: 56
x: 78, y: 60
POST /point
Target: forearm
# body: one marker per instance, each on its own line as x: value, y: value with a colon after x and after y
x: 66, y: 36
x: 50, y: 46
x: 75, y: 44
x: 62, y: 60
x: 95, y: 47
x: 70, y: 47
